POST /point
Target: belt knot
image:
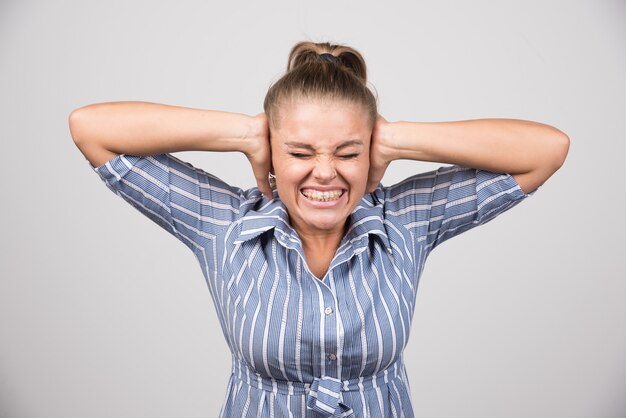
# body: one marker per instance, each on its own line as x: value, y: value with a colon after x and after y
x: 325, y: 398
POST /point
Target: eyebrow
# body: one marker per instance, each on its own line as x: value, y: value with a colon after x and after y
x: 310, y: 147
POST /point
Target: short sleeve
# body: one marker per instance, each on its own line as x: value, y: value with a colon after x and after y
x: 440, y: 204
x: 184, y: 200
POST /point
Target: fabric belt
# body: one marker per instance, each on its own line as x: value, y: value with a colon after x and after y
x: 323, y: 394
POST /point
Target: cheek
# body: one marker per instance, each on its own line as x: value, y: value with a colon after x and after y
x: 357, y: 174
x: 290, y: 172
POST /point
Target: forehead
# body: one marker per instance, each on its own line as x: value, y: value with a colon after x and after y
x: 321, y: 122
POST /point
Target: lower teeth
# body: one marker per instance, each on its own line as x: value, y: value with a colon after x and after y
x: 322, y: 200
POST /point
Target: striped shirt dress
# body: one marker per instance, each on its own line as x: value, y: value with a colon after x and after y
x: 303, y: 346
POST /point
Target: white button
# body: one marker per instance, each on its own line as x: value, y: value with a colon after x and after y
x: 332, y: 357
x: 328, y: 310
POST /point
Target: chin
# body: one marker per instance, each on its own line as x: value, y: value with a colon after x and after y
x: 326, y: 223
x: 326, y: 226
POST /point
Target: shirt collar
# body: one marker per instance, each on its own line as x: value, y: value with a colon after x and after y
x: 367, y: 219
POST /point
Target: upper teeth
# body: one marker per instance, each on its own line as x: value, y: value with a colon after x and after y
x: 322, y: 196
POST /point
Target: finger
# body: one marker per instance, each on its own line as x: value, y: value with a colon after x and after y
x: 371, y: 185
x: 264, y: 187
x: 374, y: 177
x: 261, y: 172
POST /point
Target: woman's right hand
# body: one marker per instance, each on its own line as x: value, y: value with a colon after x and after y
x: 258, y: 152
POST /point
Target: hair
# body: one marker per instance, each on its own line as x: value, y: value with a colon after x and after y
x: 313, y: 76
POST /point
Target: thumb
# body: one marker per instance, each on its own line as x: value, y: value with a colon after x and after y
x: 374, y: 176
x: 261, y: 170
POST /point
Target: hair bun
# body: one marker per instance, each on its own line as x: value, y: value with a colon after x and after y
x: 322, y: 53
x: 322, y: 70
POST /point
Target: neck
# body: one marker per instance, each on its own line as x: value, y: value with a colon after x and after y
x: 318, y: 242
x: 319, y: 249
x: 321, y: 240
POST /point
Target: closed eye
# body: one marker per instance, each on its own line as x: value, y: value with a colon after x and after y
x: 348, y: 156
x: 299, y: 155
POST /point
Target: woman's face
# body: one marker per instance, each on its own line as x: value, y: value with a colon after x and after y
x: 320, y: 156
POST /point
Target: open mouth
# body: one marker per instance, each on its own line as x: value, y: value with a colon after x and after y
x: 319, y: 196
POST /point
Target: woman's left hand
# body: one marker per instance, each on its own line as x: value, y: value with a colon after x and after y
x: 380, y: 153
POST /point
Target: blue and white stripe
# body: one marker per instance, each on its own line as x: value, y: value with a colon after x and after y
x: 305, y: 347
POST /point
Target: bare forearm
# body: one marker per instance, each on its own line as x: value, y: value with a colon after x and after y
x: 143, y: 128
x: 500, y: 145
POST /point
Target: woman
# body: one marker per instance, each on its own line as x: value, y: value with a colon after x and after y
x: 314, y: 280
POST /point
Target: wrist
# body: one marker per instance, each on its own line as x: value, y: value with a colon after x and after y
x: 256, y: 135
x: 387, y: 138
x: 406, y: 141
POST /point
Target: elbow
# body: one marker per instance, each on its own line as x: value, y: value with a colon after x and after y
x: 559, y: 150
x: 82, y: 131
x: 82, y: 124
x: 551, y: 156
x: 75, y: 121
x: 85, y: 128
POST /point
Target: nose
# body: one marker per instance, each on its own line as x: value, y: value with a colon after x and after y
x: 324, y: 171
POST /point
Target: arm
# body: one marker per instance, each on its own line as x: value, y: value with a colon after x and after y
x: 104, y: 130
x: 530, y: 151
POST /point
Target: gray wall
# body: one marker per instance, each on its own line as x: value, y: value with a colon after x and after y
x: 103, y: 314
